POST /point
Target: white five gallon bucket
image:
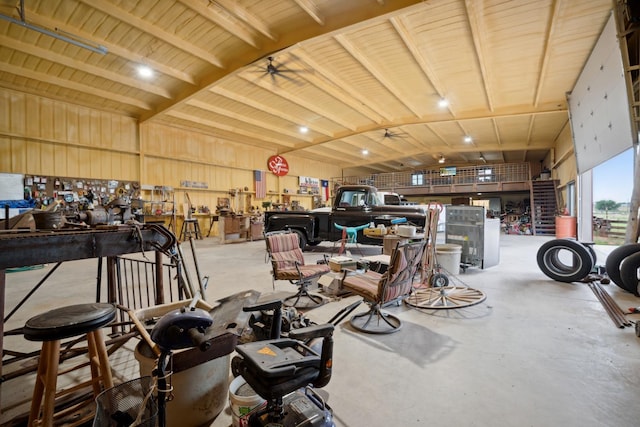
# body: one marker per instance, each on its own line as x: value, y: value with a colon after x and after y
x: 448, y: 256
x: 242, y: 399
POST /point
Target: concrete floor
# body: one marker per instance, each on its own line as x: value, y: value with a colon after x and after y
x: 534, y: 353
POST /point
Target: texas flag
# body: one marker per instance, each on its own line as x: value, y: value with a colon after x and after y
x: 325, y: 190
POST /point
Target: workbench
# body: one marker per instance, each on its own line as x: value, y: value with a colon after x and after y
x: 28, y: 248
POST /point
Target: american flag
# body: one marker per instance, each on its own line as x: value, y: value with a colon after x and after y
x: 260, y: 183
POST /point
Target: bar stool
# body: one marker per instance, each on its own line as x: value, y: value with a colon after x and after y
x: 190, y: 226
x: 50, y: 328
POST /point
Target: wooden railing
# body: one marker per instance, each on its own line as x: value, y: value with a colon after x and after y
x: 450, y: 179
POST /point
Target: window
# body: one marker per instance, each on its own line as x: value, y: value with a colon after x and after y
x: 417, y: 179
x: 485, y: 175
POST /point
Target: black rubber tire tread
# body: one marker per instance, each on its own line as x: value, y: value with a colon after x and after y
x: 629, y: 273
x: 302, y: 239
x: 550, y: 264
x: 615, y: 258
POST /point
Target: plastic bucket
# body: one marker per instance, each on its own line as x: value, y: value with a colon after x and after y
x: 199, y: 391
x: 242, y: 399
x: 565, y: 226
x: 448, y: 256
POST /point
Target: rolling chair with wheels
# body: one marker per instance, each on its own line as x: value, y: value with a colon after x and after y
x: 287, y: 263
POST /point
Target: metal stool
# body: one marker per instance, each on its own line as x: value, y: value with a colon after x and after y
x: 190, y: 226
x: 50, y: 328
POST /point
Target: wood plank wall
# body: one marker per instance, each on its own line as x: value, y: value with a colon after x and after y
x: 40, y: 136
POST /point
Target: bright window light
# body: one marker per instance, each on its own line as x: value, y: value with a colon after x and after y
x: 145, y: 72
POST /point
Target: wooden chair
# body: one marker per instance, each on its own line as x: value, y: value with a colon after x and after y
x: 287, y: 263
x: 381, y: 289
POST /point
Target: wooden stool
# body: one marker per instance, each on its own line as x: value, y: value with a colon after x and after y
x: 190, y: 226
x: 50, y: 328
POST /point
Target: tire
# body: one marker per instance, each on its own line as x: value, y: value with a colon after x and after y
x: 549, y: 261
x: 615, y: 258
x: 629, y: 273
x: 316, y: 243
x: 302, y: 239
x: 439, y: 280
x: 589, y: 247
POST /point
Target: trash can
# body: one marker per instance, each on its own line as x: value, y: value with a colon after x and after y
x: 200, y: 388
x: 565, y: 226
x: 448, y: 256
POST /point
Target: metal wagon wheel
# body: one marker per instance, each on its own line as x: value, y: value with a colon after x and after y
x: 445, y: 297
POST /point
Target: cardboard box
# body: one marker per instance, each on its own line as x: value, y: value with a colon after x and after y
x: 337, y: 263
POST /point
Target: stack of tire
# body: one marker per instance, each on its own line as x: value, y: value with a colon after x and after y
x: 581, y: 255
x: 622, y: 266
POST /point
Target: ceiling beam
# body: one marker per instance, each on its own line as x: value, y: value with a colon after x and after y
x: 222, y: 18
x: 47, y: 54
x: 247, y: 119
x: 311, y: 9
x: 373, y: 70
x: 68, y: 84
x: 428, y: 124
x: 401, y: 26
x: 154, y: 30
x: 338, y: 88
x: 214, y: 124
x: 542, y: 71
x: 114, y: 49
x: 477, y: 30
x: 219, y: 90
x: 337, y: 21
x: 301, y: 101
x: 242, y: 13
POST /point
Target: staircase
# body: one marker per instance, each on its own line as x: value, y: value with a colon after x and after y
x: 543, y: 207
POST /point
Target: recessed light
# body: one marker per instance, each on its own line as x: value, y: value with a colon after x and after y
x: 441, y: 160
x: 303, y: 129
x: 145, y: 72
x: 443, y: 103
x: 467, y: 138
x: 365, y: 151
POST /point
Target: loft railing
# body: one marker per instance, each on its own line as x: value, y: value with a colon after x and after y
x: 447, y: 178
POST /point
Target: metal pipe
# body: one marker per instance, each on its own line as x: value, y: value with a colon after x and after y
x: 97, y: 49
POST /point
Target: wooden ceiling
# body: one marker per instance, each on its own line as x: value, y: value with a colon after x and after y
x: 358, y: 73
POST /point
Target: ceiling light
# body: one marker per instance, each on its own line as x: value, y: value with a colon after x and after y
x: 365, y: 151
x: 145, y: 72
x: 441, y: 160
x: 467, y: 138
x: 303, y: 129
x: 443, y: 103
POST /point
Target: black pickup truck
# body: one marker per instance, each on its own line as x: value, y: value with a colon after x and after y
x: 353, y: 206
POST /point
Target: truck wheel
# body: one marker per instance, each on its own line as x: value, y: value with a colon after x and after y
x: 302, y: 239
x: 629, y: 273
x: 551, y: 264
x: 615, y: 258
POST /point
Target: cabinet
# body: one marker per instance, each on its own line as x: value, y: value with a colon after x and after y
x: 479, y: 236
x: 233, y: 228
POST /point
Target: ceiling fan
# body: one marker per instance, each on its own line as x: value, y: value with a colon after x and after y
x: 278, y: 70
x: 394, y: 135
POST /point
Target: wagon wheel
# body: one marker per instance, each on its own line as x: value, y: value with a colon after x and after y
x: 446, y: 297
